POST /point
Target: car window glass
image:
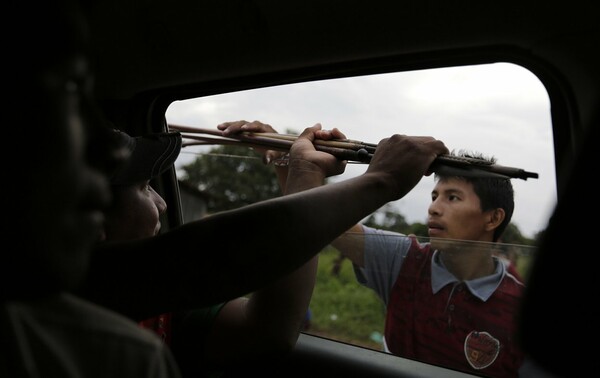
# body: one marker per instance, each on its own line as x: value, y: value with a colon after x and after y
x: 500, y: 110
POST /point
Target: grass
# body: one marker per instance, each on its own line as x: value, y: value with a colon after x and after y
x: 342, y: 309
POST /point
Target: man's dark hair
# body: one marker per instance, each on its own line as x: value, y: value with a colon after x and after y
x: 493, y: 192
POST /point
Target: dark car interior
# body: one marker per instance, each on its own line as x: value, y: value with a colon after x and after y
x: 148, y: 54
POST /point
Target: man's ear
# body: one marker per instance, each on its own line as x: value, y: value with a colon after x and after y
x: 496, y: 218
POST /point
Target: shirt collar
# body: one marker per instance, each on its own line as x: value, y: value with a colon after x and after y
x: 482, y: 287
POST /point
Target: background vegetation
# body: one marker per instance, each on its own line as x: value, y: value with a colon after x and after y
x: 341, y: 308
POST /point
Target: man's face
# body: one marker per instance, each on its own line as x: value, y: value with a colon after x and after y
x: 62, y: 194
x: 455, y: 212
x: 135, y: 212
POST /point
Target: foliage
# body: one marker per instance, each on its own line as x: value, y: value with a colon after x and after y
x: 232, y: 182
x: 342, y: 309
x: 538, y: 237
x: 512, y: 235
x: 387, y: 218
x: 418, y: 229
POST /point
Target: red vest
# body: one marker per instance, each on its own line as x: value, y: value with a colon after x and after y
x: 452, y: 328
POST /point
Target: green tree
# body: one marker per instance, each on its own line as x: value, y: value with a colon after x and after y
x: 512, y: 235
x: 537, y: 237
x: 234, y: 176
x: 418, y: 229
x: 387, y: 218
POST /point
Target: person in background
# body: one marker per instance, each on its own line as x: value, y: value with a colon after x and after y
x: 450, y: 301
x: 57, y: 197
x: 437, y: 286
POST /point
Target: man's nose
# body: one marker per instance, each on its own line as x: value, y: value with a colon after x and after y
x: 434, y: 208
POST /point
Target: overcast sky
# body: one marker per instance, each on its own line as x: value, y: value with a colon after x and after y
x: 500, y: 110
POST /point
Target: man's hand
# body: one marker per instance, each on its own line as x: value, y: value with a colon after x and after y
x: 236, y: 127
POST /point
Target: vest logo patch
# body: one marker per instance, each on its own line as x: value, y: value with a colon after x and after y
x: 481, y: 349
